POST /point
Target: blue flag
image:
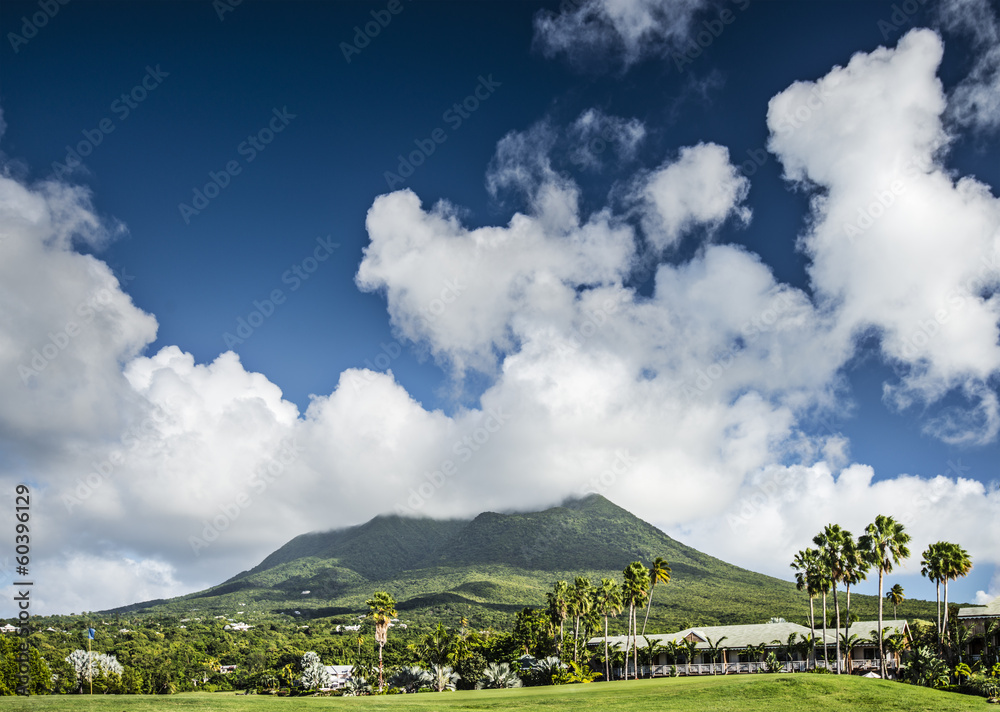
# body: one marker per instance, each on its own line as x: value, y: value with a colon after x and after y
x: 90, y: 633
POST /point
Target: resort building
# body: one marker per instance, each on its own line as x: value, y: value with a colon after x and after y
x: 981, y: 620
x: 729, y: 649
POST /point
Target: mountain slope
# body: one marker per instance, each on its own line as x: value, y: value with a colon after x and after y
x: 488, y: 568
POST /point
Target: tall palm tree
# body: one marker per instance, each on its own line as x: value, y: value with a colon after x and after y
x: 836, y: 545
x: 806, y: 563
x: 608, y: 601
x: 658, y: 572
x: 855, y: 571
x: 579, y: 604
x: 823, y: 583
x: 932, y: 566
x: 884, y: 544
x: 895, y: 597
x: 956, y: 564
x: 635, y: 587
x: 558, y: 599
x: 381, y: 609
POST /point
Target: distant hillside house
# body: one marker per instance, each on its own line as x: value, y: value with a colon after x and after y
x: 978, y: 619
x: 9, y: 629
x: 237, y: 626
x: 723, y: 650
x: 227, y: 669
x: 339, y: 675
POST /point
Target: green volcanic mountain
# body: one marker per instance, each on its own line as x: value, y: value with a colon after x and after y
x: 492, y: 566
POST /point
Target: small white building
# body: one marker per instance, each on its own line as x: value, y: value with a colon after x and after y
x: 339, y: 675
x: 241, y: 627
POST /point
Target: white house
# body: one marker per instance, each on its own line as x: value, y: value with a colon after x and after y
x: 339, y: 675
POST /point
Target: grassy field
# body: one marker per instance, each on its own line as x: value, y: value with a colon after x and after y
x: 743, y: 693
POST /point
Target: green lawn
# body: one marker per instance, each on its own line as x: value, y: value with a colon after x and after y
x: 743, y: 693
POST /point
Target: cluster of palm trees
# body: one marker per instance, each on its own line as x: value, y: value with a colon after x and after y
x: 840, y: 559
x: 586, y: 604
x: 941, y: 563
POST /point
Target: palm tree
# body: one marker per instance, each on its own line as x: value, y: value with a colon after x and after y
x: 498, y: 676
x: 850, y: 642
x: 823, y: 583
x: 807, y: 646
x: 691, y: 649
x: 787, y: 646
x: 956, y: 563
x: 884, y: 544
x: 714, y: 649
x: 434, y: 647
x: 896, y: 644
x: 932, y: 566
x: 444, y: 678
x: 381, y: 609
x: 558, y: 599
x: 806, y: 564
x: 961, y: 636
x: 855, y: 571
x: 658, y: 572
x: 608, y: 602
x: 653, y: 649
x: 756, y: 652
x: 836, y: 546
x: 579, y: 604
x: 635, y: 588
x: 895, y: 597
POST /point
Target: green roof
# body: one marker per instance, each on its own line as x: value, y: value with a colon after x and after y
x: 987, y: 611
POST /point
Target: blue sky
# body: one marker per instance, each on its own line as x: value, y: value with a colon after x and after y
x: 725, y: 145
